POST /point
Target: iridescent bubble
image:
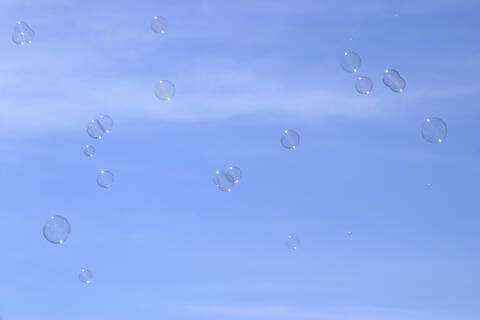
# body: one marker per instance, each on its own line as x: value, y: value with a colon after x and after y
x: 165, y: 90
x: 105, y: 179
x: 364, y: 85
x: 223, y: 181
x: 159, y: 25
x: 85, y: 276
x: 292, y: 242
x: 351, y: 61
x: 56, y: 230
x: 22, y: 33
x: 99, y: 127
x: 290, y: 139
x: 434, y: 130
x: 235, y: 173
x: 89, y: 151
x: 393, y: 80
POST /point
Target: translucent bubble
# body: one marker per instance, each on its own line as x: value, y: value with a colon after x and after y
x: 56, y: 229
x: 351, y: 61
x: 22, y: 34
x: 350, y: 233
x: 290, y: 139
x: 434, y: 130
x: 105, y: 179
x: 292, y: 242
x: 89, y: 151
x: 235, y: 173
x: 159, y: 25
x: 99, y: 127
x: 85, y: 276
x: 165, y: 90
x: 223, y: 181
x: 106, y: 123
x: 364, y: 85
x: 393, y: 80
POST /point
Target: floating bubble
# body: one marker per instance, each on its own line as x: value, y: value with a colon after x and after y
x: 290, y: 139
x: 165, y: 90
x: 159, y: 25
x: 350, y: 234
x: 56, y: 229
x: 235, y: 173
x: 85, y: 276
x: 105, y: 179
x: 434, y: 130
x: 364, y: 85
x: 89, y: 151
x: 99, y: 127
x: 22, y: 34
x: 393, y: 80
x: 223, y: 181
x: 292, y: 242
x: 351, y: 61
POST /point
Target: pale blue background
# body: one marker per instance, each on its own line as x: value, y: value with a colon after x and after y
x: 163, y: 243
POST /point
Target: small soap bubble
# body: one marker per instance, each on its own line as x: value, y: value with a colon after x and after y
x: 292, y: 242
x: 105, y: 179
x: 351, y: 61
x: 56, y: 230
x: 165, y: 90
x: 350, y: 234
x: 159, y: 25
x: 235, y: 173
x: 22, y: 34
x: 85, y: 276
x: 393, y: 80
x: 364, y: 85
x: 223, y: 181
x: 434, y: 130
x: 97, y: 128
x: 290, y: 139
x: 89, y: 151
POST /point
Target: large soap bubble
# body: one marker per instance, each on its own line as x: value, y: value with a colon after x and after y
x: 165, y: 90
x: 351, y: 61
x: 364, y: 85
x: 159, y: 25
x: 434, y: 130
x: 290, y: 139
x: 56, y: 230
x: 22, y: 33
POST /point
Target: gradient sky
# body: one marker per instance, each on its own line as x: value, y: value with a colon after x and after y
x: 163, y: 242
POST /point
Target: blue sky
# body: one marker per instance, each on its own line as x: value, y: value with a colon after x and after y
x: 163, y: 242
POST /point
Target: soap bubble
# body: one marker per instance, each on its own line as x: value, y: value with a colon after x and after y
x: 393, y: 80
x: 364, y: 85
x: 223, y: 181
x: 292, y: 242
x: 235, y: 173
x: 56, y: 229
x: 99, y: 127
x: 159, y: 25
x: 165, y: 90
x: 105, y: 179
x: 351, y: 61
x: 85, y: 276
x: 89, y: 151
x: 434, y: 130
x: 290, y: 139
x: 22, y: 34
x: 350, y: 233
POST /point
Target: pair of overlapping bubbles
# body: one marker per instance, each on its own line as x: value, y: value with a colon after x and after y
x: 22, y: 34
x: 100, y: 127
x: 351, y: 62
x: 393, y: 80
x: 226, y: 180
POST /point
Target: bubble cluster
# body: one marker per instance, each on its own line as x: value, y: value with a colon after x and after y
x: 22, y: 34
x: 351, y: 61
x: 89, y: 151
x: 85, y: 276
x: 159, y: 25
x: 364, y: 85
x: 290, y: 139
x: 56, y: 229
x: 165, y: 90
x: 393, y: 80
x: 292, y: 242
x: 105, y: 179
x: 434, y: 130
x: 97, y: 128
